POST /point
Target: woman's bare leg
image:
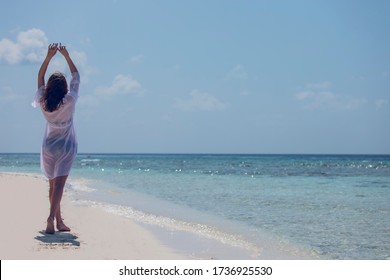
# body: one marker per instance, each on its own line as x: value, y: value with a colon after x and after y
x: 50, y: 223
x: 55, y: 194
x: 60, y: 223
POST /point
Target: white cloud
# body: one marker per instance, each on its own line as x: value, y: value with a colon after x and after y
x: 137, y: 58
x: 238, y: 72
x: 318, y: 95
x: 30, y: 46
x: 120, y: 85
x: 200, y: 101
x: 380, y: 103
x: 304, y: 95
x: 84, y: 68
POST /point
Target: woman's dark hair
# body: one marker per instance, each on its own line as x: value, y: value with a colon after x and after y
x: 55, y: 91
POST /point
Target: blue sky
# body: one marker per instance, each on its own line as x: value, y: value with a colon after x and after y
x: 205, y: 76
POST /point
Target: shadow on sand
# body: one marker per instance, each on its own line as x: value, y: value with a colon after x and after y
x: 59, y: 238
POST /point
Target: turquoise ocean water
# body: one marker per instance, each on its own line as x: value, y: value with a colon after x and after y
x: 335, y: 206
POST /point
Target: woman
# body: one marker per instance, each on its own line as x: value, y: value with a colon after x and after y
x: 59, y: 146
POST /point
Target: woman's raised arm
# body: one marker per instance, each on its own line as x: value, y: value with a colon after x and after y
x: 64, y: 52
x: 51, y: 51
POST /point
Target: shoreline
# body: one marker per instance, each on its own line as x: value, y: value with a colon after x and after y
x: 108, y: 231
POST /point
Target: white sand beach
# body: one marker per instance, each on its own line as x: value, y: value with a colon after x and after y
x: 95, y: 234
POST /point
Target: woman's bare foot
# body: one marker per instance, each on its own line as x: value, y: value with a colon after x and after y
x: 50, y: 227
x: 61, y: 226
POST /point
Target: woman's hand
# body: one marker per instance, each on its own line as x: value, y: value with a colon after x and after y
x: 52, y: 50
x: 62, y: 49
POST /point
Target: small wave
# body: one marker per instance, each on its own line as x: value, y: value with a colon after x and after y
x: 167, y: 223
x: 81, y: 185
x: 90, y: 160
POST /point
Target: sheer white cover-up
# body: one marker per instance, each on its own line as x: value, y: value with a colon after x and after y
x: 59, y: 145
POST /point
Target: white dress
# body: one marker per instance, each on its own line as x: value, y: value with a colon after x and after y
x: 59, y: 146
